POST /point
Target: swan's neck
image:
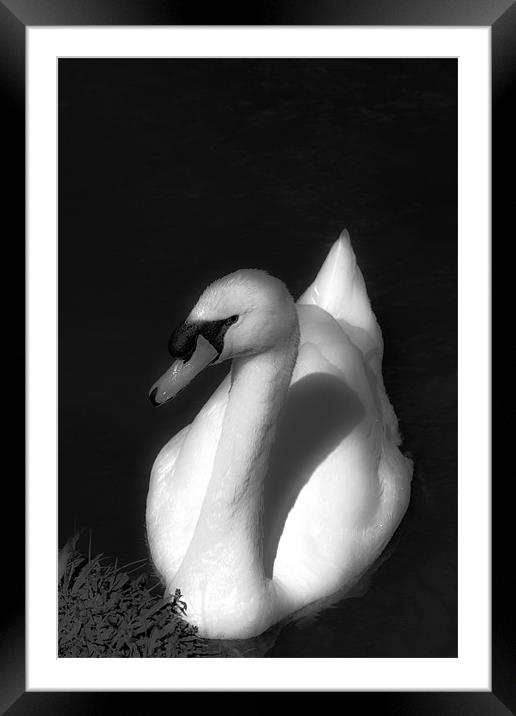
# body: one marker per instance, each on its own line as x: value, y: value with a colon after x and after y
x: 227, y: 542
x: 258, y: 390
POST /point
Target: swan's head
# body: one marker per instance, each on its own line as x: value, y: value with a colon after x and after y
x: 245, y: 313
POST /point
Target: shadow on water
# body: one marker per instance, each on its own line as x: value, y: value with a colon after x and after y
x: 319, y: 412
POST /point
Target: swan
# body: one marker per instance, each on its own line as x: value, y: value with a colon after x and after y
x: 289, y: 482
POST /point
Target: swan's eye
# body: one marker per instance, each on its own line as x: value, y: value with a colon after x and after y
x: 230, y: 320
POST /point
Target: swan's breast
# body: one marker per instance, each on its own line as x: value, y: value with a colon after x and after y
x: 178, y: 482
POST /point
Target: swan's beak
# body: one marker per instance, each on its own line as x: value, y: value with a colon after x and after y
x: 182, y: 371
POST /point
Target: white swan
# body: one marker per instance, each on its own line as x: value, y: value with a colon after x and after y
x: 289, y: 482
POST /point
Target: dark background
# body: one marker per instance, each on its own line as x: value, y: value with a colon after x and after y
x: 175, y: 172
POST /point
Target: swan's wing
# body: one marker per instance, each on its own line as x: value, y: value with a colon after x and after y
x: 325, y: 339
x: 340, y: 290
x: 351, y: 484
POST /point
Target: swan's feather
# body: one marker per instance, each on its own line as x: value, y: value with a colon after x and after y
x: 340, y: 290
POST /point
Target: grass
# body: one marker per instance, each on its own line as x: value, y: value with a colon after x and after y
x: 106, y: 611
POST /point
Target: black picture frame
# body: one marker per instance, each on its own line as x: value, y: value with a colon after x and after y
x: 15, y: 17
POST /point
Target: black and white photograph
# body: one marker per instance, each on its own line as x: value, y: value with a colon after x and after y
x: 257, y: 266
x: 258, y: 285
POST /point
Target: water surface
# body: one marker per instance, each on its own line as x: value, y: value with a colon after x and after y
x: 175, y: 172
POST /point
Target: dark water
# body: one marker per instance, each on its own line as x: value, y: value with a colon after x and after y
x: 175, y: 172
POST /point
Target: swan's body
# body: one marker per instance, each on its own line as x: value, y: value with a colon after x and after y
x: 289, y: 482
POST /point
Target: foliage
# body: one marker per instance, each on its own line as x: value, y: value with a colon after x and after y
x: 104, y: 612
